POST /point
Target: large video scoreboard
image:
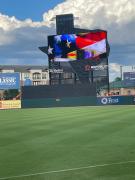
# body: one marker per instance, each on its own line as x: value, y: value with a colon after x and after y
x: 83, y: 53
x: 77, y: 55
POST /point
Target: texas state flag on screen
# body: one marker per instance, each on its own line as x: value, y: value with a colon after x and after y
x: 71, y: 47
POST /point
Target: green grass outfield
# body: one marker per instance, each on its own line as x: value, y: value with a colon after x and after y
x: 99, y: 141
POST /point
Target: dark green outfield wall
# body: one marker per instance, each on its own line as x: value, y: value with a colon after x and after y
x: 63, y: 102
x: 59, y: 95
x: 78, y: 101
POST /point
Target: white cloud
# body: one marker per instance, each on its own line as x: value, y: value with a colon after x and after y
x: 19, y: 41
x: 114, y: 67
x: 5, y: 38
x: 10, y: 23
x: 114, y: 71
x: 96, y: 12
x: 117, y: 16
x: 8, y: 26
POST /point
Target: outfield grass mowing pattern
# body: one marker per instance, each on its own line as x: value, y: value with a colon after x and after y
x: 40, y: 140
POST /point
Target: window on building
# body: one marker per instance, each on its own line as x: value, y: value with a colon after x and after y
x: 43, y: 75
x: 67, y: 75
x: 36, y: 76
x: 36, y: 83
x: 129, y: 92
x: 117, y: 93
x: 26, y: 75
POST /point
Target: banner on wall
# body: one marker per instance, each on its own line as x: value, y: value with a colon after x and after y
x: 108, y: 100
x: 134, y: 100
x: 115, y: 100
x: 9, y: 80
x: 130, y: 76
x: 10, y: 104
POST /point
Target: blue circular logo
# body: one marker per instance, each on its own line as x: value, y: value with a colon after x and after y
x: 104, y: 100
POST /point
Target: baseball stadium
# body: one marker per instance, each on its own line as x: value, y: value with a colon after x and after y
x: 68, y: 121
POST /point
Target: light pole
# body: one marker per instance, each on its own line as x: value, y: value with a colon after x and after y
x: 121, y: 72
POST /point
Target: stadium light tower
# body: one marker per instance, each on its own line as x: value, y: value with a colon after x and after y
x: 121, y: 72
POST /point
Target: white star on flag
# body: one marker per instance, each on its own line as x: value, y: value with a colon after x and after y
x: 58, y: 38
x: 50, y: 50
x: 68, y: 43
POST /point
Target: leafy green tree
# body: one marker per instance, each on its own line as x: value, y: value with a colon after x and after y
x: 117, y: 79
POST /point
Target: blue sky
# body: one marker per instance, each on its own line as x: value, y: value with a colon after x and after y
x: 23, y: 9
x: 20, y: 37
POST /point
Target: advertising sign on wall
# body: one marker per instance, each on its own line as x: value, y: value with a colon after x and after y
x: 115, y: 100
x: 134, y: 100
x: 10, y: 104
x: 9, y: 80
x: 108, y: 100
x: 129, y: 79
x: 129, y: 76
